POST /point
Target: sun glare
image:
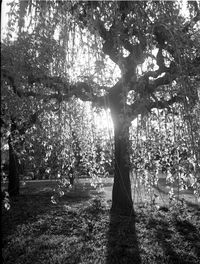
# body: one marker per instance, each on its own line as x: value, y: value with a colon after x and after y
x: 103, y: 121
x: 4, y: 17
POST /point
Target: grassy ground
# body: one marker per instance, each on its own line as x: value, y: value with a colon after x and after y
x: 79, y: 229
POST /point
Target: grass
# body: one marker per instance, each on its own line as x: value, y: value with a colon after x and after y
x: 81, y: 230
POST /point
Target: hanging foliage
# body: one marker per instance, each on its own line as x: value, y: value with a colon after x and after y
x: 129, y: 56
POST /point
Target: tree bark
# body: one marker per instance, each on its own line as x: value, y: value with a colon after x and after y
x: 121, y: 194
x: 13, y: 175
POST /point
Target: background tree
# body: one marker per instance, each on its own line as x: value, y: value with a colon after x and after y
x: 155, y: 47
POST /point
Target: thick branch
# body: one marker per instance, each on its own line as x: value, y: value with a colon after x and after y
x: 161, y: 104
x: 115, y: 39
x: 58, y: 89
x: 167, y: 78
x: 143, y: 106
x: 109, y: 46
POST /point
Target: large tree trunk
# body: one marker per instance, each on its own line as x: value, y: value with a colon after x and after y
x: 13, y: 175
x: 121, y: 195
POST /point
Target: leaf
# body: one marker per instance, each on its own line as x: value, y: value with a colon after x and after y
x: 53, y: 200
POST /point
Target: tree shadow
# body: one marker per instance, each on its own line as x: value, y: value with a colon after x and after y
x: 190, y: 233
x: 122, y: 245
x: 27, y: 208
x: 164, y: 234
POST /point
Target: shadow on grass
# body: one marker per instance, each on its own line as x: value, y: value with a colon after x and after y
x: 190, y: 233
x: 122, y: 242
x: 164, y: 236
x: 27, y: 208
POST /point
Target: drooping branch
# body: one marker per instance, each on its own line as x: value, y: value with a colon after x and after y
x: 161, y: 104
x: 145, y: 106
x: 145, y: 86
x: 167, y: 78
x: 57, y: 88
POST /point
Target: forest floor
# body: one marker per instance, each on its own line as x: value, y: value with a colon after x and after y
x: 79, y: 229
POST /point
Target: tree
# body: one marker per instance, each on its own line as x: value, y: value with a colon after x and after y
x: 17, y: 116
x: 155, y: 47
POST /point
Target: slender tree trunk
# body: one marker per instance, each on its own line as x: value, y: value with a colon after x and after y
x: 121, y: 195
x: 13, y: 175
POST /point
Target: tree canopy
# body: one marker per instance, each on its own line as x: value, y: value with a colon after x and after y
x: 128, y: 56
x: 50, y: 34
